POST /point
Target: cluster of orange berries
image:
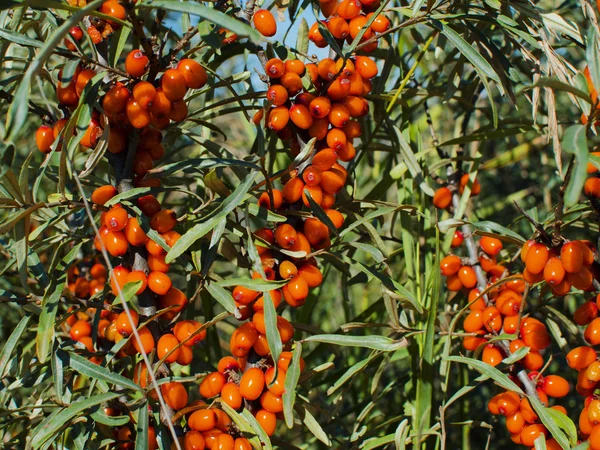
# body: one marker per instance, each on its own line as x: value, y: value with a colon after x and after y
x: 99, y: 28
x: 346, y: 19
x: 573, y: 265
x: 442, y: 198
x: 522, y: 422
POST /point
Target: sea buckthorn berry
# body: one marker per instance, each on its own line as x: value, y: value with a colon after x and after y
x: 473, y: 322
x: 228, y: 363
x: 571, y: 257
x: 138, y: 117
x: 285, y: 235
x: 508, y: 403
x: 252, y: 383
x: 186, y: 355
x: 146, y: 341
x: 243, y: 295
x: 168, y: 343
x: 193, y: 440
x: 352, y: 129
x: 242, y: 443
x: 264, y: 22
x: 450, y: 265
x: 492, y: 355
x: 366, y: 67
x: 349, y: 9
x: 586, y: 313
x: 271, y: 402
x: 231, y: 395
x: 537, y: 256
x: 380, y: 24
x: 467, y: 277
x: 356, y: 106
x: 267, y: 420
x: 458, y: 239
x: 194, y: 74
x: 264, y: 200
x: 311, y: 274
x: 278, y: 118
x: 44, y: 137
x: 338, y: 27
x: 115, y: 99
x: 274, y: 68
x: 316, y: 193
x: 591, y: 187
x: 465, y: 181
x: 187, y: 332
x: 212, y: 384
x: 581, y: 357
x: 134, y: 233
x: 223, y: 441
x: 144, y: 93
x: 116, y: 218
x: 509, y: 303
x: 83, y: 79
x: 116, y: 243
x: 179, y: 111
x: 314, y: 34
x: 338, y: 116
x: 319, y: 129
x: 135, y: 276
x: 515, y: 423
x: 173, y: 84
x: 118, y: 278
x: 534, y: 334
x: 80, y: 329
x: 324, y: 159
x: 277, y: 94
x: 442, y: 198
x: 312, y: 175
x: 292, y: 82
x: 326, y: 69
x: 531, y: 432
x: 287, y: 270
x: 202, y: 420
x: 490, y: 245
x: 315, y: 231
x: 592, y: 332
x: 124, y: 325
x: 161, y: 105
x: 582, y: 279
x: 338, y: 91
x: 114, y: 9
x: 67, y: 94
x: 136, y: 63
x: 554, y: 272
x: 297, y: 288
x: 301, y: 117
x: 336, y: 217
x: 336, y: 139
x: 555, y: 386
x: 92, y: 134
x: 163, y: 221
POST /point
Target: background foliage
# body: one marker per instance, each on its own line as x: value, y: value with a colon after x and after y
x: 488, y: 88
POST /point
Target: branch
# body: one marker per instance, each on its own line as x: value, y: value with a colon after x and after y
x: 560, y: 206
x: 45, y: 114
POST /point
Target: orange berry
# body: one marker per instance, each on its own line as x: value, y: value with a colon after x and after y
x: 531, y: 432
x: 136, y: 63
x: 267, y: 420
x: 536, y: 258
x: 467, y: 277
x: 339, y: 115
x: 193, y: 440
x: 292, y: 82
x: 450, y: 265
x: 366, y: 67
x: 591, y: 187
x: 163, y: 221
x: 555, y: 386
x: 202, y: 420
x: 187, y: 332
x: 554, y: 272
x: 252, y: 383
x: 348, y: 9
x: 44, y: 137
x: 581, y: 357
x: 492, y: 355
x: 168, y: 343
x: 442, y: 198
x: 585, y: 313
x: 271, y: 402
x: 194, y: 74
x: 159, y: 282
x: 138, y: 116
x: 277, y: 95
x: 285, y: 235
x: 278, y: 118
x: 135, y: 276
x: 212, y: 384
x: 80, y: 329
x: 231, y: 395
x: 116, y: 243
x: 173, y: 84
x: 264, y: 22
x: 146, y: 340
x: 275, y: 68
x: 301, y: 117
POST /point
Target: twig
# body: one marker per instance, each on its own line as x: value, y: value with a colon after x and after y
x: 538, y: 226
x: 180, y: 45
x: 560, y: 205
x: 46, y: 115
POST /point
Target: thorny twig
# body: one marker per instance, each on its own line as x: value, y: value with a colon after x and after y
x: 560, y: 205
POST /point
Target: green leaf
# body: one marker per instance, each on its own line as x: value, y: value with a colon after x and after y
x: 214, y: 15
x: 59, y: 419
x: 560, y: 426
x: 198, y: 231
x: 467, y: 50
x: 316, y: 429
x: 89, y: 369
x: 557, y: 85
x: 302, y: 39
x: 256, y: 284
x: 272, y: 332
x: 247, y: 423
x: 411, y: 162
x: 382, y: 343
x: 20, y: 39
x: 291, y: 382
x: 223, y: 296
x: 488, y: 371
x: 574, y: 141
x: 141, y: 440
x: 13, y: 340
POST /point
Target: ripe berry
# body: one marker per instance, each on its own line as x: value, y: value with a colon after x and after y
x: 163, y: 221
x: 285, y: 235
x: 194, y: 74
x: 301, y: 117
x: 490, y: 245
x: 124, y: 326
x: 212, y: 384
x: 168, y: 343
x: 278, y: 118
x: 581, y: 357
x: 292, y: 82
x: 187, y: 332
x: 265, y: 22
x: 202, y: 420
x: 44, y: 137
x: 271, y: 402
x: 555, y: 386
x: 442, y: 198
x: 275, y: 68
x: 365, y: 66
x: 136, y: 63
x: 135, y: 276
x: 80, y: 329
x: 267, y: 420
x: 554, y: 272
x: 277, y: 94
x: 537, y: 256
x: 252, y: 383
x: 231, y: 395
x: 173, y: 84
x: 146, y: 339
x: 138, y: 117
